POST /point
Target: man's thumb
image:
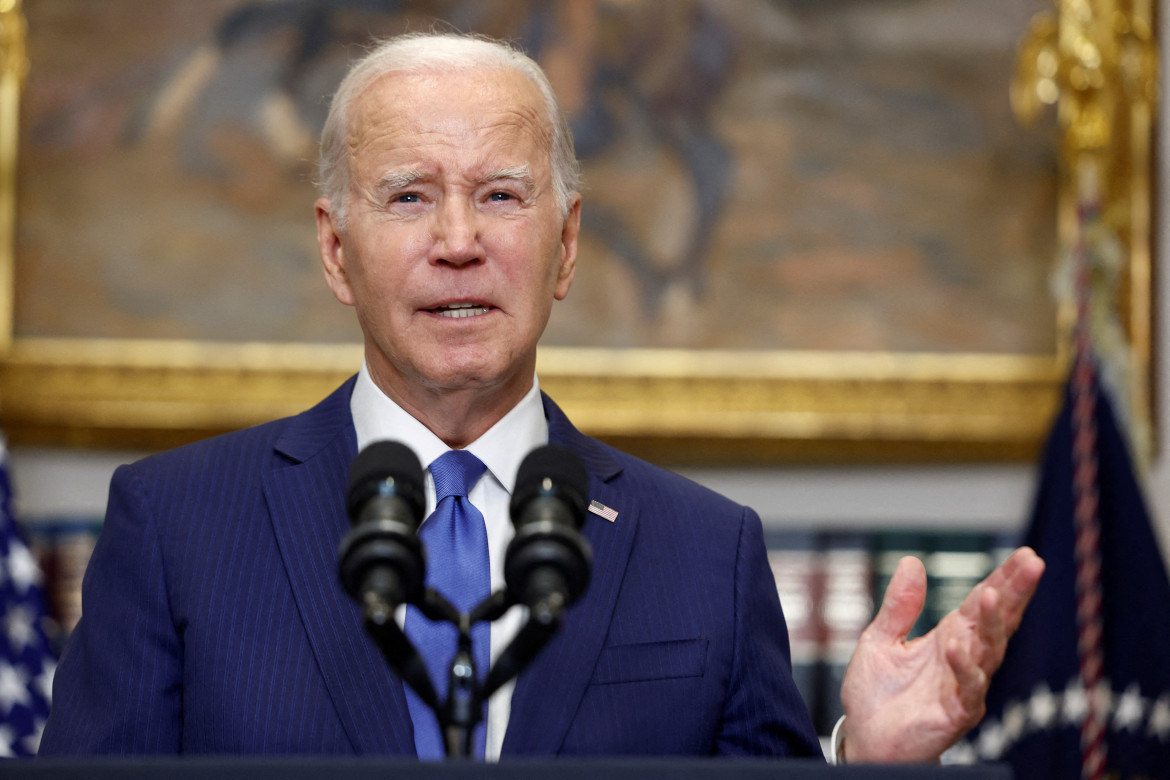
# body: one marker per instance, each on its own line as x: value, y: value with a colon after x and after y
x: 904, y: 600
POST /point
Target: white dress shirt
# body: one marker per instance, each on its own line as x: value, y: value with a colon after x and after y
x: 501, y: 449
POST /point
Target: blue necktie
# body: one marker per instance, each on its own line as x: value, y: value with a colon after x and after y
x: 455, y: 538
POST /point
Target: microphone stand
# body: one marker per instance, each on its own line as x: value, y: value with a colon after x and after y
x: 462, y: 710
x: 382, y: 565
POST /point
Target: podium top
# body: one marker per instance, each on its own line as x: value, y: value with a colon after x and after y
x: 318, y: 768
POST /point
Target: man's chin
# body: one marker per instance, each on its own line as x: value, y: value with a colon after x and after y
x: 476, y: 378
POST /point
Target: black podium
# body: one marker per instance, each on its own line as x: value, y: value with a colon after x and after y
x: 316, y: 768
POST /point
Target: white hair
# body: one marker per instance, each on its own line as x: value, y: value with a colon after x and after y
x: 418, y: 53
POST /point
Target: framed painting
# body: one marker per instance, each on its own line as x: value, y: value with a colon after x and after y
x: 811, y: 231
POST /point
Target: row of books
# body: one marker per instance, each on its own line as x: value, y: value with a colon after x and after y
x: 831, y: 584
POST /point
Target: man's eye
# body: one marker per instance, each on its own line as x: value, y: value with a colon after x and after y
x: 500, y: 196
x: 407, y: 197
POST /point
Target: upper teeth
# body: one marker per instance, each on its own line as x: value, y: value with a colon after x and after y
x: 462, y: 310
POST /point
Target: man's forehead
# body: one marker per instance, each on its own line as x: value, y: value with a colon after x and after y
x: 473, y: 124
x: 403, y: 158
x: 454, y: 102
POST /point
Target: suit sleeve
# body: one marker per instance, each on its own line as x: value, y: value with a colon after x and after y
x: 763, y: 713
x: 118, y: 688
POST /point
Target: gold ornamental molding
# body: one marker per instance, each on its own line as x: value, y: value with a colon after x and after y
x: 13, y: 70
x: 677, y: 406
x: 1093, y: 61
x: 1096, y: 63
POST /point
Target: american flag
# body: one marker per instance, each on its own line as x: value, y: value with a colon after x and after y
x: 1084, y: 690
x: 26, y: 659
x: 601, y: 510
x: 1039, y: 700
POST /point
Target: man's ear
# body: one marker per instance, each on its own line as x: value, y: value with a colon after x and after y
x: 570, y: 232
x: 330, y: 244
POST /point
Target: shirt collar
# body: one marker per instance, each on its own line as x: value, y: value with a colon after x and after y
x: 501, y: 448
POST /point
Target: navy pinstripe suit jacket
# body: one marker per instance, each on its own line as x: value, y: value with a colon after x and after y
x: 214, y: 621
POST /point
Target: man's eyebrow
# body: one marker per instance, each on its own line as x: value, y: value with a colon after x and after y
x: 394, y: 179
x: 520, y: 173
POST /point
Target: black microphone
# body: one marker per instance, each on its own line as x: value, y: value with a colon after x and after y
x: 381, y: 557
x: 546, y: 566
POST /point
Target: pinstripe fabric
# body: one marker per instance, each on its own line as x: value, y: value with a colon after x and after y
x: 681, y: 567
x: 214, y: 621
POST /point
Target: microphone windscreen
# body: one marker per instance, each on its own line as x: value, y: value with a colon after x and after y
x: 380, y: 461
x: 561, y: 466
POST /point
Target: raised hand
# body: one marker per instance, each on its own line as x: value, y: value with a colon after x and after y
x: 908, y: 701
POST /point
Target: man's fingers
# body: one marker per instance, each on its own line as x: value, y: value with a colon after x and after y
x: 1023, y: 571
x: 992, y: 631
x: 971, y: 683
x: 903, y: 602
x: 1015, y: 581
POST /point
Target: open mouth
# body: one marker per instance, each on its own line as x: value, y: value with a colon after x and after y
x: 460, y: 310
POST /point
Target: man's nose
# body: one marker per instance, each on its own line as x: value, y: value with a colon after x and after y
x: 456, y: 233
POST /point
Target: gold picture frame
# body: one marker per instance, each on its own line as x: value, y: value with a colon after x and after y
x: 673, y: 405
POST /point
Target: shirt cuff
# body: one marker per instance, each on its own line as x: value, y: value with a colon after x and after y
x: 837, y: 743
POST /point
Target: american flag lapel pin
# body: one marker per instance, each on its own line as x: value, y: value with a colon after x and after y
x: 601, y: 510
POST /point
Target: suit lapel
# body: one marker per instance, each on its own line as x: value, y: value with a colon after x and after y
x: 306, y: 501
x: 549, y: 692
x: 306, y: 495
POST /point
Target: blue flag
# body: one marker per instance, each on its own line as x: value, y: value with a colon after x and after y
x: 26, y: 660
x: 1037, y: 702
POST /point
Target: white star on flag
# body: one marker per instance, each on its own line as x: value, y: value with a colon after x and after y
x: 1076, y: 703
x: 18, y: 625
x: 1160, y: 718
x: 1042, y: 707
x: 1131, y: 710
x: 1015, y: 721
x: 44, y: 681
x: 22, y: 568
x: 13, y: 691
x: 991, y: 742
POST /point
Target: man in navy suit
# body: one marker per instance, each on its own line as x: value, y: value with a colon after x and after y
x: 214, y: 621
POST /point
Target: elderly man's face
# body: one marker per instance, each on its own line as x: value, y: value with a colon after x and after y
x: 455, y: 247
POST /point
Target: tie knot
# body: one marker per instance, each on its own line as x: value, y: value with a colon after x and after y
x: 455, y: 472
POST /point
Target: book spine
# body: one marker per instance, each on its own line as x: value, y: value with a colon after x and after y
x: 846, y: 609
x: 63, y: 549
x: 957, y: 562
x: 796, y: 561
